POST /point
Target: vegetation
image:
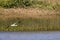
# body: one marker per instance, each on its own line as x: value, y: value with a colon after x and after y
x: 45, y: 4
x: 31, y: 25
x: 36, y: 22
x: 30, y: 15
x: 15, y: 3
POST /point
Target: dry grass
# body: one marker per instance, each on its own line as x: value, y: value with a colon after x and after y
x: 26, y: 13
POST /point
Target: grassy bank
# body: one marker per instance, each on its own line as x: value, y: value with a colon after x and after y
x: 32, y: 20
x: 30, y: 15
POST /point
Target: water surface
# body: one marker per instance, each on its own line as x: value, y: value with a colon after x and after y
x: 29, y: 35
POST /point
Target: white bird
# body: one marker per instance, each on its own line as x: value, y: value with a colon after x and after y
x: 14, y: 24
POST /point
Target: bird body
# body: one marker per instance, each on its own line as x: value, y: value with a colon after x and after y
x: 14, y: 24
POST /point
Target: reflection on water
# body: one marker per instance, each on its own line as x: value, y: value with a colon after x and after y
x: 29, y: 35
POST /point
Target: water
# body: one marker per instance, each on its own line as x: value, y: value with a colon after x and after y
x: 29, y: 35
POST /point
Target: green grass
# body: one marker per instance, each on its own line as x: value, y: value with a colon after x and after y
x: 52, y: 5
x: 31, y: 24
